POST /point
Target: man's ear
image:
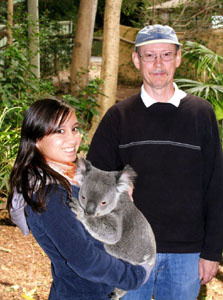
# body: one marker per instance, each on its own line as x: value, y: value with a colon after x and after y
x: 178, y: 58
x: 135, y: 59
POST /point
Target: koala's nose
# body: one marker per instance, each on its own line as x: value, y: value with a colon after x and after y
x: 90, y: 208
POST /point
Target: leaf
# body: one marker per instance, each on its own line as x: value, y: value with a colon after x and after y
x: 29, y: 295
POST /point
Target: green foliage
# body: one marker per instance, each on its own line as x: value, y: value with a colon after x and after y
x: 18, y: 85
x: 132, y: 12
x: 187, y: 16
x: 9, y: 140
x: 204, y: 60
x: 85, y: 104
x: 56, y: 47
x: 16, y: 76
x: 19, y: 88
x: 209, y: 91
x: 207, y: 67
x: 59, y: 10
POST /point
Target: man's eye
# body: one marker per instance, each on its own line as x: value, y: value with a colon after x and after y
x: 148, y: 54
x: 167, y: 54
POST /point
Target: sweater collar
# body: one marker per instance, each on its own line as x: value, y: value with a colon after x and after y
x: 175, y: 100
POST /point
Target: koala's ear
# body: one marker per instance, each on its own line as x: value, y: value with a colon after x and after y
x: 83, y: 167
x: 125, y: 179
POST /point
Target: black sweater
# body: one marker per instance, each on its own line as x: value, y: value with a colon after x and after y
x: 177, y: 155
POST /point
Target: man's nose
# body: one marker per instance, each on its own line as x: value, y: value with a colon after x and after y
x: 158, y: 59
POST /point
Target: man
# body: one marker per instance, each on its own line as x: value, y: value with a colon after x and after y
x: 171, y: 139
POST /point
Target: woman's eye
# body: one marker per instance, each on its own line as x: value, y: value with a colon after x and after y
x: 76, y: 129
x: 60, y: 130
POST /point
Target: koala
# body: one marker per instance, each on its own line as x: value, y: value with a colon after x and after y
x: 109, y: 215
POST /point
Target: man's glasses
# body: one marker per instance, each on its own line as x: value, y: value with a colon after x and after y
x: 151, y: 57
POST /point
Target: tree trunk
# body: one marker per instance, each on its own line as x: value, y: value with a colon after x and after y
x: 110, y: 60
x: 10, y: 22
x: 33, y: 12
x: 82, y: 44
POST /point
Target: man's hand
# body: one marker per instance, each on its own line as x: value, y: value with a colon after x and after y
x: 130, y: 192
x: 207, y: 270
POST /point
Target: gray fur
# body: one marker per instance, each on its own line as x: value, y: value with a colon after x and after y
x: 105, y: 209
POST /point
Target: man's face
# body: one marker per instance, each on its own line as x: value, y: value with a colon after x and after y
x: 157, y: 73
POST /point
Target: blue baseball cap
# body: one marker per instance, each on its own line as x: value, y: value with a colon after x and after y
x: 156, y: 34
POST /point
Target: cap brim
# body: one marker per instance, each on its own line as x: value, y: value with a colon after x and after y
x: 164, y: 41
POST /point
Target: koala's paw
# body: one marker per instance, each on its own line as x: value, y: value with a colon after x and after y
x: 117, y: 294
x: 113, y: 296
x: 75, y: 206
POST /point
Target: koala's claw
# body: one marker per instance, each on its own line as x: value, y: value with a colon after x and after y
x: 117, y: 294
x: 76, y: 208
x: 113, y: 296
x: 73, y: 204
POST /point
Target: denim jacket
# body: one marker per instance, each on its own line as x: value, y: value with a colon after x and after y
x: 81, y: 268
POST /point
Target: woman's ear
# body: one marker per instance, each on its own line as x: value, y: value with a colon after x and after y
x: 37, y: 144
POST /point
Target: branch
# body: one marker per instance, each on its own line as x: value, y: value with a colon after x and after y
x: 5, y: 250
x: 197, y: 14
x: 3, y: 33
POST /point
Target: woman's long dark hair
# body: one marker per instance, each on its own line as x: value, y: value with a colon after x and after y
x: 30, y: 170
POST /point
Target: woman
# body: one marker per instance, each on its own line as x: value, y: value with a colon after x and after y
x: 41, y: 183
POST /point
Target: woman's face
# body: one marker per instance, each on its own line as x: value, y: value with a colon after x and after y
x: 62, y: 146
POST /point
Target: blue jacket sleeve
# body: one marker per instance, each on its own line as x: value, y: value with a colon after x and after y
x: 84, y: 255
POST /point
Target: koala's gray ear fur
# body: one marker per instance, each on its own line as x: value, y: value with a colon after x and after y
x: 125, y: 179
x: 83, y: 167
x: 131, y: 173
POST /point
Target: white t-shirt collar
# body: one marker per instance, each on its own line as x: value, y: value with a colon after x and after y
x: 175, y: 99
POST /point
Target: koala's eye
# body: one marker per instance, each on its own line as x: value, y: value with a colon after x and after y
x: 83, y: 197
x: 103, y: 203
